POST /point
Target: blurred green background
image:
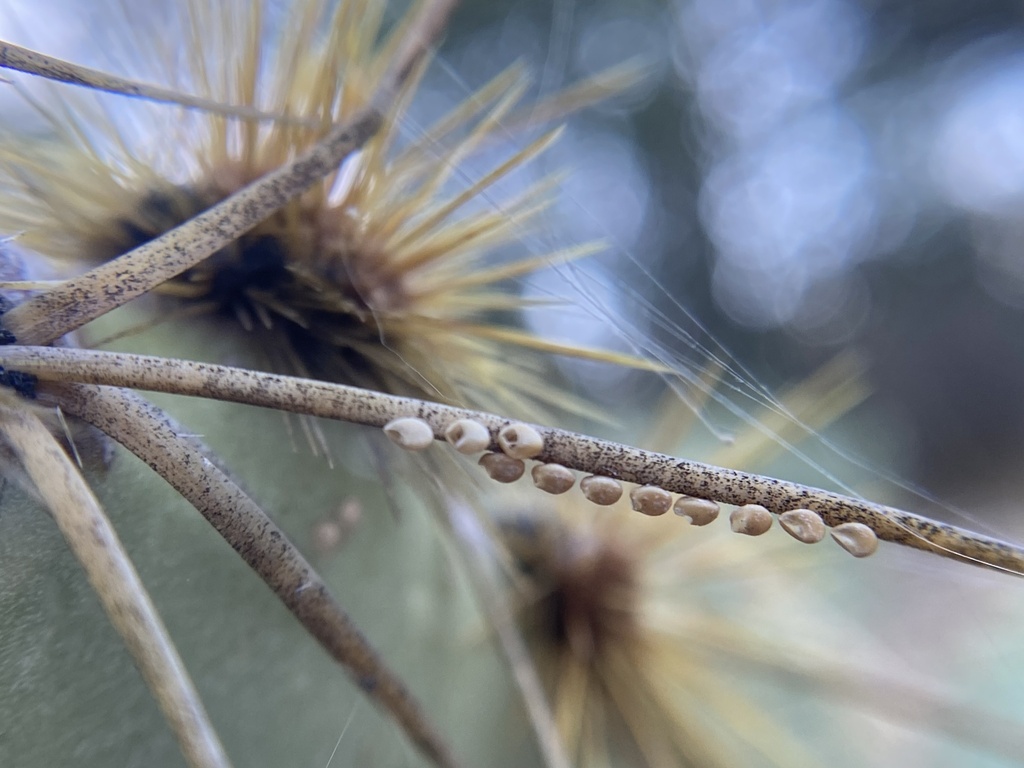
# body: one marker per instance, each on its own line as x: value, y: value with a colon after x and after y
x: 806, y: 176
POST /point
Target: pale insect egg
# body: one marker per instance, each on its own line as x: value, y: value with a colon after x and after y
x: 856, y: 538
x: 409, y: 433
x: 553, y: 478
x: 327, y: 536
x: 750, y: 520
x: 700, y: 511
x: 803, y: 525
x: 650, y: 500
x: 468, y: 436
x: 601, y: 490
x: 520, y: 441
x: 502, y: 468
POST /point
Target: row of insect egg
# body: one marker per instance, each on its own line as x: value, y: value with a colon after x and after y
x: 521, y: 441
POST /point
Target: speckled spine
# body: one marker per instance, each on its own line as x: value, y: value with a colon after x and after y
x: 580, y: 452
x: 145, y: 431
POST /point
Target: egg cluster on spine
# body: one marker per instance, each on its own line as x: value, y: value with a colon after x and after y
x: 518, y: 442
